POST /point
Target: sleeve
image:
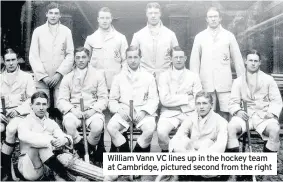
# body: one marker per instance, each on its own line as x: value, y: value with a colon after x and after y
x: 195, y: 58
x: 222, y: 138
x: 63, y: 103
x: 167, y: 98
x: 58, y: 133
x: 114, y: 96
x: 34, y: 59
x: 88, y: 46
x: 197, y: 86
x: 174, y: 40
x: 153, y: 100
x: 24, y: 108
x: 237, y: 56
x: 275, y: 105
x: 235, y: 97
x: 135, y: 41
x: 67, y: 64
x: 102, y: 94
x: 181, y: 135
x: 124, y: 46
x: 36, y: 140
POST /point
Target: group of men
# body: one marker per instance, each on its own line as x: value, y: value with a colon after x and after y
x: 106, y: 73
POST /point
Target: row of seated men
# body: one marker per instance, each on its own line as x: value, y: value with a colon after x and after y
x: 183, y: 105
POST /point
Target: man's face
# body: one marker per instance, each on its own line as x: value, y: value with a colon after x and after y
x: 81, y: 60
x: 153, y: 16
x: 11, y: 62
x: 133, y: 59
x: 179, y: 59
x: 213, y: 19
x: 203, y: 106
x: 53, y: 16
x: 104, y: 20
x: 39, y: 107
x: 252, y: 63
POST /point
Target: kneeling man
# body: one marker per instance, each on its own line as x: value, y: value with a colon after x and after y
x: 39, y: 136
x: 264, y: 104
x: 133, y: 83
x: 87, y: 83
x: 207, y: 132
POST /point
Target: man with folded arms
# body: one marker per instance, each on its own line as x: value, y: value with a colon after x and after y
x: 177, y: 87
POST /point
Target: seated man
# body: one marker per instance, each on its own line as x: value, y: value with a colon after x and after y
x: 264, y: 105
x: 88, y: 83
x: 135, y: 84
x: 207, y: 132
x: 16, y: 89
x: 177, y: 89
x: 39, y: 136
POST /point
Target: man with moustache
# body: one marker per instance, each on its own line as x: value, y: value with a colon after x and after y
x: 16, y: 87
x: 51, y: 53
x: 132, y: 83
x: 107, y: 46
x: 155, y: 42
x: 264, y: 104
x: 214, y: 49
x: 177, y: 87
x: 88, y: 83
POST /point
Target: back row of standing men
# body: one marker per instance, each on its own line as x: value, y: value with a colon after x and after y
x: 162, y: 62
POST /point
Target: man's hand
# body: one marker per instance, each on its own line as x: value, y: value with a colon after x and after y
x: 59, y: 142
x: 123, y: 114
x: 269, y: 116
x: 3, y: 118
x: 140, y: 116
x: 55, y: 79
x: 87, y: 114
x: 12, y: 113
x: 47, y: 80
x: 79, y: 114
x: 242, y: 114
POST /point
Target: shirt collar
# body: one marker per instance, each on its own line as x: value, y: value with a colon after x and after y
x: 211, y: 30
x: 206, y: 117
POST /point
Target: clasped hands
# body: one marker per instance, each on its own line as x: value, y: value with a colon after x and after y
x: 83, y: 114
x: 139, y: 116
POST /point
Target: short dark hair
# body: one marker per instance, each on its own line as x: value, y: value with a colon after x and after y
x: 133, y: 48
x: 52, y: 5
x: 9, y: 51
x: 39, y: 94
x: 104, y: 9
x: 213, y: 8
x: 253, y: 51
x: 176, y: 48
x: 80, y: 49
x: 153, y: 5
x: 204, y: 94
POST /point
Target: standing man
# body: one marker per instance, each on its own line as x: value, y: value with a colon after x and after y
x: 132, y: 83
x: 51, y: 53
x: 87, y: 83
x: 177, y: 87
x: 107, y: 46
x: 16, y: 87
x: 39, y: 136
x: 264, y: 104
x: 155, y: 42
x: 214, y: 49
